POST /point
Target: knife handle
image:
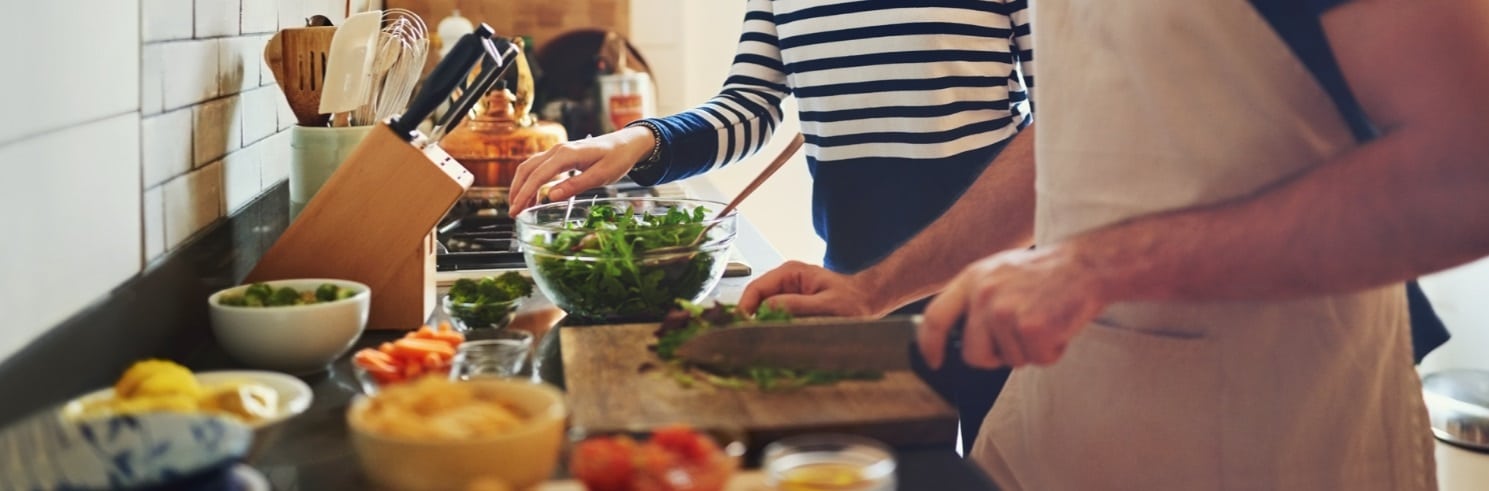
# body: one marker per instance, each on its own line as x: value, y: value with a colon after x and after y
x: 954, y: 369
x: 447, y: 75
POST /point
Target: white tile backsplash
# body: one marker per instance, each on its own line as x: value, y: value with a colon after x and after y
x: 152, y: 79
x: 242, y: 174
x: 260, y: 118
x: 237, y: 70
x: 87, y: 177
x: 153, y: 220
x: 165, y: 153
x: 164, y: 20
x: 292, y: 13
x: 68, y: 62
x: 260, y: 16
x: 215, y: 129
x: 118, y: 122
x: 190, y: 72
x: 192, y: 202
x: 215, y: 18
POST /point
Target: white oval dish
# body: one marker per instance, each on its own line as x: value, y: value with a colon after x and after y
x: 294, y: 395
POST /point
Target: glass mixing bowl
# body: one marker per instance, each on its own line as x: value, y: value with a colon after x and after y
x: 602, y: 272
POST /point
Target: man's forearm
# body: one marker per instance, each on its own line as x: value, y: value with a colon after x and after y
x: 1412, y: 202
x: 994, y: 214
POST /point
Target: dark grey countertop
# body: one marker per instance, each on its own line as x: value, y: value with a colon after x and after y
x: 162, y: 313
x: 312, y: 451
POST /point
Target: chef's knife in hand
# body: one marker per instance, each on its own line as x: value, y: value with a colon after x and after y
x: 853, y: 345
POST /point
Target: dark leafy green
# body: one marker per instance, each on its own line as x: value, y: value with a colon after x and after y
x: 263, y: 295
x: 597, y: 272
x: 488, y: 301
x: 690, y: 320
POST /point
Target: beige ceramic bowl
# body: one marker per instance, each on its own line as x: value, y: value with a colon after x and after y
x: 296, y: 339
x: 521, y: 459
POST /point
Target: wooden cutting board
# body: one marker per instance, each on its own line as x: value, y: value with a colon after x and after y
x: 607, y: 391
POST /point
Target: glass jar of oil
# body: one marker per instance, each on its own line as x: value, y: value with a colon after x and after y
x: 829, y: 463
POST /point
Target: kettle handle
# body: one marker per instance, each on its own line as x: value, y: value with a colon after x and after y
x: 523, y: 104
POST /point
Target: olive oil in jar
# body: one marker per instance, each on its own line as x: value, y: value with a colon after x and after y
x: 830, y: 476
x: 829, y: 463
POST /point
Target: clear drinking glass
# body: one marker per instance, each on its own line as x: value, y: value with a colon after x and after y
x: 497, y: 353
x: 829, y: 462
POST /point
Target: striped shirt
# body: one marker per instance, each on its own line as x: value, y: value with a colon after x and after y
x: 899, y: 102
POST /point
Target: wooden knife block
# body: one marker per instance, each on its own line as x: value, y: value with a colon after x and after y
x: 373, y: 222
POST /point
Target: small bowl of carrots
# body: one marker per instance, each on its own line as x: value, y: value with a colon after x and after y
x: 428, y: 350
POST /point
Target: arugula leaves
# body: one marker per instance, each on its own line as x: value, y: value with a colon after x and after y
x: 596, y: 270
x: 691, y: 319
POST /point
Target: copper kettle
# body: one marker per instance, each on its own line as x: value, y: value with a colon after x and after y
x: 500, y: 132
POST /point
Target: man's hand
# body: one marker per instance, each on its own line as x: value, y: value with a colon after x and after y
x: 1020, y: 307
x: 807, y: 290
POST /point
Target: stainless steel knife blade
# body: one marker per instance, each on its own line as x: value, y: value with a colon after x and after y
x: 808, y: 344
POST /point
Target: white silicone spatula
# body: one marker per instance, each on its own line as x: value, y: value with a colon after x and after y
x: 350, y: 62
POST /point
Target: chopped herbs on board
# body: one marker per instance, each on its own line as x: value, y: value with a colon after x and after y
x: 689, y: 321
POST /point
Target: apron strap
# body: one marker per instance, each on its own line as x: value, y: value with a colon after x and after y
x: 1297, y: 23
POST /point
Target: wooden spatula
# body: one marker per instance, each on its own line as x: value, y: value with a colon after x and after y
x: 297, y: 56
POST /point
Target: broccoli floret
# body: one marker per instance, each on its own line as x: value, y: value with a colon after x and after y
x: 258, y: 295
x: 328, y: 292
x: 284, y: 296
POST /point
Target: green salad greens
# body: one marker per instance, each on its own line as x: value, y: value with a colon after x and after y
x: 691, y: 320
x: 263, y: 295
x: 487, y: 301
x: 599, y: 270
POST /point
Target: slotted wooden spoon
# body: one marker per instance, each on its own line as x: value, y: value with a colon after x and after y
x: 297, y: 56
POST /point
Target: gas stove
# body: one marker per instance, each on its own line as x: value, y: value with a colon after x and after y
x: 478, y: 235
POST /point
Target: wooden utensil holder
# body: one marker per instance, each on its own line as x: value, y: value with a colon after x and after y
x: 373, y: 222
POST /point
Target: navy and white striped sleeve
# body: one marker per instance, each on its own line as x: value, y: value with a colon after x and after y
x: 1023, y: 44
x: 739, y: 120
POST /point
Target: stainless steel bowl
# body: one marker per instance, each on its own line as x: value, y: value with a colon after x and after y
x: 1458, y: 404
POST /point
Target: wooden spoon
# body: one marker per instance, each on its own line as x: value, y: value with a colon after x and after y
x: 297, y: 56
x: 692, y: 248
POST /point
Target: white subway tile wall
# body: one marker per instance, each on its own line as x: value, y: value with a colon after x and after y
x: 143, y: 134
x: 164, y: 153
x: 73, y: 197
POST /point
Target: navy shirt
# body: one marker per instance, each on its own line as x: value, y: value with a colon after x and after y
x: 1297, y: 23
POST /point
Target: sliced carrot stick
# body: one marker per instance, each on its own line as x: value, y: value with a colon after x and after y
x: 444, y: 326
x: 385, y: 348
x: 452, y: 338
x: 417, y: 348
x: 425, y: 332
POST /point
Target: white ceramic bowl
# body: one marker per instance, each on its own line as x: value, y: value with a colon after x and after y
x: 297, y: 339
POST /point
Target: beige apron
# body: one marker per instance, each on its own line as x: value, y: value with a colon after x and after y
x: 1154, y: 105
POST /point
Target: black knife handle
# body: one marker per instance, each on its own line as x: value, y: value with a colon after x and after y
x: 954, y: 370
x: 495, y: 64
x: 447, y: 75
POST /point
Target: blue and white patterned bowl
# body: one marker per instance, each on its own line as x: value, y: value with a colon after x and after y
x: 48, y: 452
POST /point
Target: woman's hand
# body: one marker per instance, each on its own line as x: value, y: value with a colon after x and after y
x: 601, y: 160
